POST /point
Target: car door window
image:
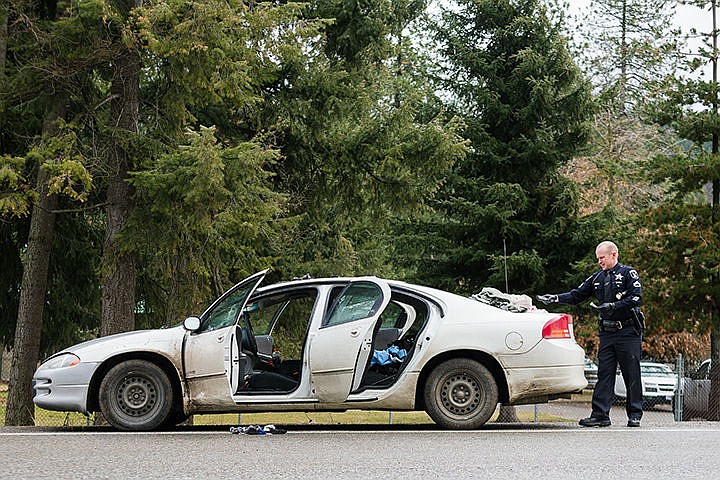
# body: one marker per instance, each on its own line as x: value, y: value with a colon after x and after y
x: 359, y: 300
x: 284, y: 318
x: 394, y: 316
x: 226, y: 311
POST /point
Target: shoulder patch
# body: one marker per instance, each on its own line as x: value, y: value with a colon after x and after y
x: 637, y: 284
x: 634, y: 274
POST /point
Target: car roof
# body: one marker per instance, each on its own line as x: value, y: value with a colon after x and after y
x: 438, y: 297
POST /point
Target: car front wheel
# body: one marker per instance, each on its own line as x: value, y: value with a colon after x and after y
x: 136, y: 395
x: 460, y: 394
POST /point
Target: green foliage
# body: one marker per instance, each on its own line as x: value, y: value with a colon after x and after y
x: 681, y: 236
x: 358, y: 145
x: 73, y: 299
x: 12, y: 238
x: 208, y: 217
x: 526, y: 110
x: 16, y: 193
x: 359, y: 29
x: 214, y: 54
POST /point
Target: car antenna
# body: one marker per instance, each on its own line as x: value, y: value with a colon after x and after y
x: 507, y: 289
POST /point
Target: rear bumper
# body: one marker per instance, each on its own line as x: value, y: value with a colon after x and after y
x: 540, y: 384
x: 551, y: 369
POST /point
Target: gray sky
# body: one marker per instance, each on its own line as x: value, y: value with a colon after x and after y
x: 686, y: 17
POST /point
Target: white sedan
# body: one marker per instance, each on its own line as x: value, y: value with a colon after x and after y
x: 659, y: 383
x: 328, y: 344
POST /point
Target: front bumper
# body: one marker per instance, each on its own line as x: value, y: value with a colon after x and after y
x: 64, y: 389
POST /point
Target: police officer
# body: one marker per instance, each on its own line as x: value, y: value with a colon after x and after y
x: 618, y: 291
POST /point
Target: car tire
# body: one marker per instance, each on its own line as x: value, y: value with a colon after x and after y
x: 460, y: 394
x: 136, y: 395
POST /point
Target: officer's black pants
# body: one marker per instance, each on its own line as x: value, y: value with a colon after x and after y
x: 623, y: 348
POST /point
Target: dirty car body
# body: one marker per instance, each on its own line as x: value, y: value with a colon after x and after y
x: 327, y: 344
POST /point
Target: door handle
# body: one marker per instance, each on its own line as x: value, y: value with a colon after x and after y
x: 354, y: 333
x: 220, y: 338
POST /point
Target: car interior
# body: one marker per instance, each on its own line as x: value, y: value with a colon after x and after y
x: 273, y: 330
x: 398, y: 327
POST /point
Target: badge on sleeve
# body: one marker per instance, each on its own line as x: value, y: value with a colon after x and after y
x: 634, y: 274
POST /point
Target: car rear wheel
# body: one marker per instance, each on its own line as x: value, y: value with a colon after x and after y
x: 460, y: 394
x: 136, y: 395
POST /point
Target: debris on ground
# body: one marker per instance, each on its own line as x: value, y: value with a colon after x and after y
x: 257, y: 430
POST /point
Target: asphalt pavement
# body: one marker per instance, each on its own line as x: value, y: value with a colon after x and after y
x: 498, y: 451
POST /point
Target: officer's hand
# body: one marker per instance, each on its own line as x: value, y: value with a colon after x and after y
x: 604, y: 307
x: 547, y: 298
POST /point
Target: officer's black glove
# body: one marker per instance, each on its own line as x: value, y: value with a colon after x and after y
x: 547, y: 298
x: 604, y: 307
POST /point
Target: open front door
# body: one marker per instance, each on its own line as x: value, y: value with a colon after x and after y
x: 229, y: 309
x: 342, y: 346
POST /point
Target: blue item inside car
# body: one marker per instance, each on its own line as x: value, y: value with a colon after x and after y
x: 393, y: 354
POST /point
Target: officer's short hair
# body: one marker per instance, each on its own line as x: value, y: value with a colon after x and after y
x: 607, y: 246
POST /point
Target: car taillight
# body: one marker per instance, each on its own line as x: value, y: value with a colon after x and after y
x: 559, y: 327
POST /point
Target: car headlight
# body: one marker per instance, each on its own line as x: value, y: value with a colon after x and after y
x: 61, y: 361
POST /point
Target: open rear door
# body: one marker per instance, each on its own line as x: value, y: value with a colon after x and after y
x: 342, y: 347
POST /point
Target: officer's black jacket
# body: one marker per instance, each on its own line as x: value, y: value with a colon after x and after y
x: 625, y: 291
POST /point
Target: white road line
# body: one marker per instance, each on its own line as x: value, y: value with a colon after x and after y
x: 543, y: 431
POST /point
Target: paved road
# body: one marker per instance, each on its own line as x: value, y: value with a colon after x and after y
x: 527, y: 451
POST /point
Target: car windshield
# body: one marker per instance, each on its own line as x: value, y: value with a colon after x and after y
x: 656, y: 370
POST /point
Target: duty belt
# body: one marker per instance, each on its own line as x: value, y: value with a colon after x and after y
x: 615, y: 325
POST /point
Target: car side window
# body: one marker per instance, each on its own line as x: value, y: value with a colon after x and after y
x: 359, y: 300
x: 394, y: 316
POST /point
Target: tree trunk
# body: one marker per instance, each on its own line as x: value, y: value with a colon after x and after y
x: 4, y: 12
x: 714, y: 399
x: 118, y: 276
x: 26, y: 347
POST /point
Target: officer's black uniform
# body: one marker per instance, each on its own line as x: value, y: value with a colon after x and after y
x: 620, y: 336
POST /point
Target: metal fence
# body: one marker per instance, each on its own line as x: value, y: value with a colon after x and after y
x: 687, y: 401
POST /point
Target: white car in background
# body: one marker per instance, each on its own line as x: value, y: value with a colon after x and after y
x: 659, y: 383
x: 327, y: 344
x: 591, y: 373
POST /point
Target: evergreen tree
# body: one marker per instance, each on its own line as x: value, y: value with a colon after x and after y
x: 624, y: 45
x: 355, y: 153
x: 38, y: 72
x: 680, y: 241
x: 526, y: 107
x: 208, y: 213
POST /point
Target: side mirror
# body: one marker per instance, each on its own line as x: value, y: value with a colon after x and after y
x: 191, y: 323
